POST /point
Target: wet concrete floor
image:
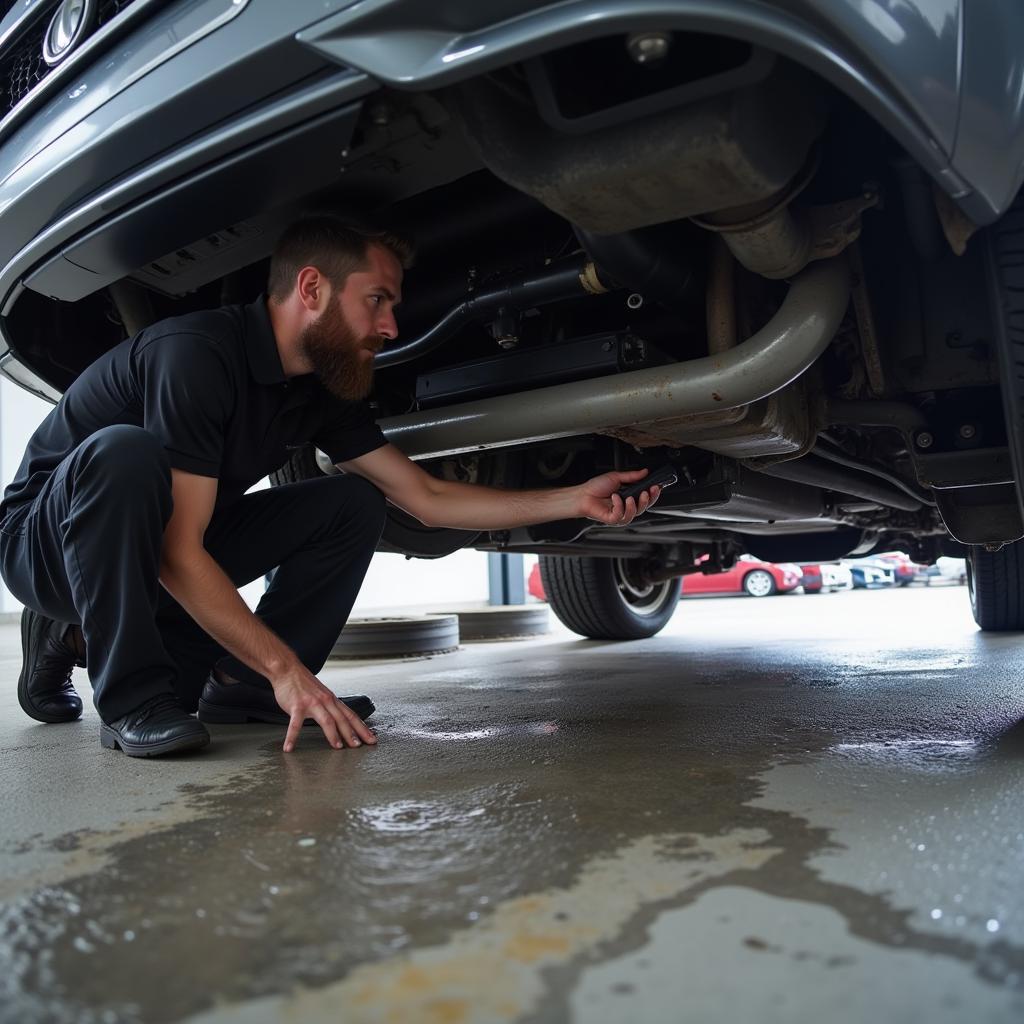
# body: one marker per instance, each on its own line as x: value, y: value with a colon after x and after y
x: 775, y: 810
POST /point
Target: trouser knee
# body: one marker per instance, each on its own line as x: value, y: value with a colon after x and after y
x: 371, y: 503
x: 350, y: 506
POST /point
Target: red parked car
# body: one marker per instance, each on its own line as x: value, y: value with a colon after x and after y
x: 749, y: 575
x: 533, y: 583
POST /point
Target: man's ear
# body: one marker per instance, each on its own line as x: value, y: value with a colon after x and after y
x: 312, y: 289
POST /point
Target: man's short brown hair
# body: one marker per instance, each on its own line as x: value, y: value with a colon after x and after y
x: 333, y: 246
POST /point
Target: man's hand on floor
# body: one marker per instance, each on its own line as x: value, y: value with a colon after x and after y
x: 301, y: 695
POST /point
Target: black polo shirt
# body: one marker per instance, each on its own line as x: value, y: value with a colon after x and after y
x: 210, y: 385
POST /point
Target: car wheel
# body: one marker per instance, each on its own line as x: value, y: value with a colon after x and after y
x: 759, y: 583
x: 402, y: 532
x: 995, y: 585
x: 607, y: 598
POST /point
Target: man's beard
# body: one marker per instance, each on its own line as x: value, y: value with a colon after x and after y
x: 338, y: 355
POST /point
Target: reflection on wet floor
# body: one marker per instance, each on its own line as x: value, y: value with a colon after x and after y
x: 919, y: 754
x: 520, y: 729
x: 534, y: 813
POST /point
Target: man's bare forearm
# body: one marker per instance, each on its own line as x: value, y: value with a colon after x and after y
x: 203, y: 589
x: 472, y: 507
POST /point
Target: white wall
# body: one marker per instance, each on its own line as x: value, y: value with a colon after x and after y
x: 391, y: 583
x: 395, y: 584
x: 20, y: 414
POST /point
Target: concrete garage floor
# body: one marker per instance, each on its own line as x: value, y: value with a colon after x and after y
x: 776, y: 810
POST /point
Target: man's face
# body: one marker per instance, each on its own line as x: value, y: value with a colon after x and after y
x: 341, y: 343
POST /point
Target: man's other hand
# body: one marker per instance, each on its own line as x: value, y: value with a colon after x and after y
x: 301, y: 695
x: 600, y: 500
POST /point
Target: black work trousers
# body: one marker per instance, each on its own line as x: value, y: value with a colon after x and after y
x: 88, y: 552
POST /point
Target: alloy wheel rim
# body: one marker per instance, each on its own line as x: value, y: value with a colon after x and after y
x: 642, y: 596
x: 759, y: 583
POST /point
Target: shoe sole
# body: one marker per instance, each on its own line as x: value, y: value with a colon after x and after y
x: 216, y: 714
x: 23, y: 696
x: 110, y: 739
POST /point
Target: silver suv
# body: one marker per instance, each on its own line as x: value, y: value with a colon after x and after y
x: 774, y: 247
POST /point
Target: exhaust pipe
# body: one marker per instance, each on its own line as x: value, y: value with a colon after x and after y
x: 567, y: 279
x: 775, y: 356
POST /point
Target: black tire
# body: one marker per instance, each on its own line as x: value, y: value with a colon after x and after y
x: 502, y: 622
x: 1005, y: 242
x: 301, y: 466
x: 759, y: 583
x: 601, y: 598
x: 403, y: 533
x: 398, y: 636
x: 995, y: 584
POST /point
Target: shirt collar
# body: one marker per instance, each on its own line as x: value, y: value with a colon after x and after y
x: 261, y: 345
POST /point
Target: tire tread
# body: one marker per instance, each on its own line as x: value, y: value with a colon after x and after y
x: 1006, y: 246
x: 584, y: 596
x: 997, y: 579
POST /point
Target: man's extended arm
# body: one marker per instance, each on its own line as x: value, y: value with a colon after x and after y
x: 472, y: 507
x: 202, y: 588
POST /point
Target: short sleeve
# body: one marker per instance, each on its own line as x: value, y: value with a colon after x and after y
x: 188, y: 393
x: 349, y: 431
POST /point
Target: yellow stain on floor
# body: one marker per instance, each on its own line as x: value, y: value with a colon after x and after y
x: 493, y: 970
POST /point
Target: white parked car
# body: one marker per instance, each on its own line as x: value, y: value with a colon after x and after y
x: 819, y: 577
x: 952, y: 569
x: 836, y: 577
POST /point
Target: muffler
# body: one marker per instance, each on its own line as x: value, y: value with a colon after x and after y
x: 716, y: 146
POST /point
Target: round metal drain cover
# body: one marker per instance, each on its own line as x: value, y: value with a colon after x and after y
x: 503, y: 622
x: 397, y: 636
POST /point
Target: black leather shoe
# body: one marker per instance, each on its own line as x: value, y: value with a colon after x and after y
x: 45, y: 692
x: 159, y: 726
x: 238, y: 703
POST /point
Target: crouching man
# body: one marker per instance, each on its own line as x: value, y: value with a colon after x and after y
x: 127, y: 530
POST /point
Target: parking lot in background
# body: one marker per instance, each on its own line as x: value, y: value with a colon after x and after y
x: 757, y: 579
x: 773, y: 809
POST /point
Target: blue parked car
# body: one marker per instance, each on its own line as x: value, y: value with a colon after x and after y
x: 871, y: 575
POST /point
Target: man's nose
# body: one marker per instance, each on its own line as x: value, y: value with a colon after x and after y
x: 387, y: 326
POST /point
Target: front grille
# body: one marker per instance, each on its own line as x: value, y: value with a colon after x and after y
x: 22, y: 66
x: 111, y: 9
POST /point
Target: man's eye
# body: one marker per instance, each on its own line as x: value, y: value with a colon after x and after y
x: 378, y: 299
